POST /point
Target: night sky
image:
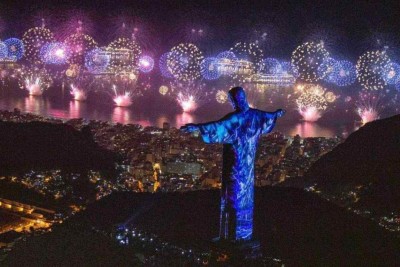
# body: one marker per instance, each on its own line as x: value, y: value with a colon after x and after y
x: 347, y: 27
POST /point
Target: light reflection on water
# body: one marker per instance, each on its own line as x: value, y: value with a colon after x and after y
x: 309, y: 129
x: 184, y: 118
x: 76, y: 109
x: 121, y: 115
x: 70, y: 109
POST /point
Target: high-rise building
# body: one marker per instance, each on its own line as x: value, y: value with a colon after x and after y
x: 166, y: 126
x: 183, y: 168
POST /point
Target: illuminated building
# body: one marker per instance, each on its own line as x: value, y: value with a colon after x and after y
x: 265, y: 81
x: 166, y: 126
x: 225, y: 66
x: 7, y: 63
x: 118, y: 61
x: 193, y: 168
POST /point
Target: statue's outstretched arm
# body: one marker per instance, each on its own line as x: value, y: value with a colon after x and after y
x: 189, y: 128
x: 220, y: 131
x: 278, y: 113
x: 270, y: 120
x: 192, y: 127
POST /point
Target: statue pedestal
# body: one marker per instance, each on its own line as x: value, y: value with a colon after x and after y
x: 238, y: 251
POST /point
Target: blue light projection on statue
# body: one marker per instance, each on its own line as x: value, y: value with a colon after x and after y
x: 238, y: 131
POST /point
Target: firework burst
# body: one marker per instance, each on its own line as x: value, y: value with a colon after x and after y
x: 248, y: 52
x: 97, y: 61
x: 15, y: 48
x: 307, y: 58
x: 311, y: 105
x: 330, y: 97
x: 271, y: 66
x: 183, y: 61
x: 209, y: 69
x: 315, y: 89
x: 75, y: 21
x: 345, y: 73
x: 80, y: 86
x: 3, y: 51
x: 79, y: 44
x: 34, y: 39
x: 124, y: 88
x: 288, y: 69
x: 370, y: 69
x: 221, y: 96
x: 35, y: 80
x: 164, y: 70
x: 328, y: 69
x: 146, y: 64
x: 368, y: 106
x: 123, y: 99
x: 129, y: 53
x: 190, y: 95
x: 163, y: 90
x: 55, y: 53
x: 391, y: 73
x: 249, y: 60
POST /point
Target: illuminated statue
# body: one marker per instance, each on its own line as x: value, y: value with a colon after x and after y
x: 238, y: 131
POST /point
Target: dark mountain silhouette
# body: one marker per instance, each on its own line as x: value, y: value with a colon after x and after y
x: 291, y: 224
x: 368, y: 162
x: 41, y: 146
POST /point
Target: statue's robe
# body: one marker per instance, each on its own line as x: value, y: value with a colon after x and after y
x: 238, y: 132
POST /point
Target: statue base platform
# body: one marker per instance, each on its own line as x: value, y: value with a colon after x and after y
x: 238, y: 251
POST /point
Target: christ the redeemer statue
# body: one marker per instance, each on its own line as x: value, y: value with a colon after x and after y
x: 238, y: 131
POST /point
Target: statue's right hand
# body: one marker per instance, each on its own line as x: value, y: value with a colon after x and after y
x: 189, y: 128
x: 280, y: 112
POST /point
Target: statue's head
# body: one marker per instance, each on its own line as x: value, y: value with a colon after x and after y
x: 237, y: 96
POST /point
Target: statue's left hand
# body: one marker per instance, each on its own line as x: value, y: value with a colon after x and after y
x: 189, y: 128
x: 280, y: 112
